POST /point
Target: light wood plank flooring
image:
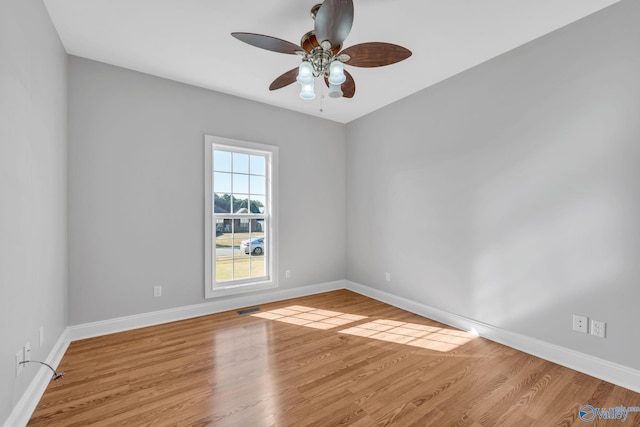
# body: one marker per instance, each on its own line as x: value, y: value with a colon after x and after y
x: 332, y: 359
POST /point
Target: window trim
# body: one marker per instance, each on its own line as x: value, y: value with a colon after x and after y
x: 248, y: 285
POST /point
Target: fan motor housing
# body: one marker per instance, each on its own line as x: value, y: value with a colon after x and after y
x: 310, y: 42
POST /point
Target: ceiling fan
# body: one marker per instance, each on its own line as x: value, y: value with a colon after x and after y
x: 321, y: 53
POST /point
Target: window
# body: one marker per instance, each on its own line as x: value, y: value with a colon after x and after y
x: 240, y: 216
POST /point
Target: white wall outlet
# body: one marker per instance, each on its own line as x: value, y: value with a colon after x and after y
x: 19, y: 358
x: 27, y: 352
x: 598, y: 328
x: 580, y: 323
x: 287, y: 274
x: 157, y: 291
x: 387, y: 277
x: 41, y: 336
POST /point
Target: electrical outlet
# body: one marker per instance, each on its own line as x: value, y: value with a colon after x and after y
x: 598, y: 328
x: 27, y: 352
x: 19, y: 365
x: 580, y: 323
x: 157, y: 291
x: 387, y: 277
x: 287, y: 274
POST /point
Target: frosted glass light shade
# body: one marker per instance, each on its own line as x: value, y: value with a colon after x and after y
x: 305, y: 73
x: 335, y: 91
x: 336, y: 73
x: 307, y: 91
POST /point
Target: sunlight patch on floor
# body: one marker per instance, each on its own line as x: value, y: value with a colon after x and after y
x: 413, y: 334
x: 309, y: 317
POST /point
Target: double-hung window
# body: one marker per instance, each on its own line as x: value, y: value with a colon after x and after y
x: 240, y: 221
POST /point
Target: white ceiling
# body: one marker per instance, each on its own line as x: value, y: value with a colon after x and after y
x: 189, y: 41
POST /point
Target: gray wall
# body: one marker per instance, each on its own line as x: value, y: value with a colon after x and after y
x: 510, y: 194
x: 136, y: 209
x: 33, y: 190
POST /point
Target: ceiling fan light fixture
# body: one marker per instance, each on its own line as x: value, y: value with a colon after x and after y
x: 336, y: 73
x: 305, y: 73
x: 322, y: 54
x: 335, y: 91
x: 307, y: 92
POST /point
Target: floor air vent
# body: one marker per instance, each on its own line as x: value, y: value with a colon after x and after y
x: 249, y: 310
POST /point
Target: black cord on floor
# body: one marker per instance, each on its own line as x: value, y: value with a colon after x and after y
x: 56, y: 375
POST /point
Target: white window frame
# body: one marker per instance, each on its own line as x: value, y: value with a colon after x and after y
x: 270, y: 280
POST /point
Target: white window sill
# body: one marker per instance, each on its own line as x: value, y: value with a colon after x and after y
x: 220, y: 291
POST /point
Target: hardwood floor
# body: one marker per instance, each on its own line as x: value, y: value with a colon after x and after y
x: 326, y: 360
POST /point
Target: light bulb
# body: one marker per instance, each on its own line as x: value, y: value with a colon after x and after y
x: 307, y: 91
x: 305, y: 73
x: 336, y: 73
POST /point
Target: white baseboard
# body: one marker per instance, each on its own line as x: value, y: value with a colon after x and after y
x: 104, y: 327
x: 23, y: 410
x: 612, y: 372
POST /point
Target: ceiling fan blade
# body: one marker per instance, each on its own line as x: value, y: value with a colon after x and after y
x: 348, y: 87
x: 268, y: 42
x: 333, y: 21
x: 285, y: 79
x: 375, y: 54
